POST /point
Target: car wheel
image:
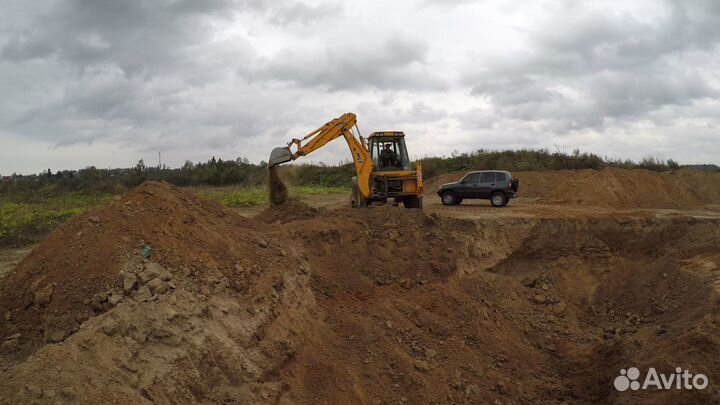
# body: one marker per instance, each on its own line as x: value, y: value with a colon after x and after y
x: 448, y: 198
x: 498, y: 199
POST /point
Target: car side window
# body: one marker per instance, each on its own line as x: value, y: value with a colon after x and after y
x: 487, y: 177
x: 471, y: 178
x: 501, y: 178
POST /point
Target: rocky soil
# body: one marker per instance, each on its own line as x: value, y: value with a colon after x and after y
x: 162, y: 297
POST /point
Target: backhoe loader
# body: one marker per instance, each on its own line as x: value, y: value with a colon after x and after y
x: 381, y: 162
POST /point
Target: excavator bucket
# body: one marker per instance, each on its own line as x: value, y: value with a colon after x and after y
x: 280, y: 155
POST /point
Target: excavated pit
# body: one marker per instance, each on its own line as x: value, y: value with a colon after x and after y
x: 381, y: 305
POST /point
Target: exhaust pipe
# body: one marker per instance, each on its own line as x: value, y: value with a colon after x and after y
x: 280, y: 155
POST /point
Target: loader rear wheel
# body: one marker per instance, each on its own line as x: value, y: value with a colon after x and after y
x: 412, y: 202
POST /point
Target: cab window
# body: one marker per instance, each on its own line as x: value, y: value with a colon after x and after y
x: 396, y: 158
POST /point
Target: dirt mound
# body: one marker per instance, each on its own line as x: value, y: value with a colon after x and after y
x: 190, y: 322
x: 614, y: 188
x: 289, y: 210
x: 380, y: 305
x: 277, y: 189
x: 86, y: 256
x: 705, y: 186
x: 620, y: 188
x: 433, y: 310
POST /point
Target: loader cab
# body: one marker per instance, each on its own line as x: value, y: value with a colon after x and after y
x: 388, y: 151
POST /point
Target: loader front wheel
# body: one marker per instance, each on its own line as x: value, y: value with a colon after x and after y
x: 357, y: 200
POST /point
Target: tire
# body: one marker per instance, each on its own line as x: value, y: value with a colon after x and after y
x: 360, y: 202
x: 412, y: 202
x: 357, y: 200
x: 498, y: 199
x: 449, y: 198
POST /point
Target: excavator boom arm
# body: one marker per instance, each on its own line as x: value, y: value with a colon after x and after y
x: 326, y: 133
x: 341, y: 126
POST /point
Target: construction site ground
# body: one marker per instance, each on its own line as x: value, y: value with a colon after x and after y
x: 163, y: 297
x: 518, y: 208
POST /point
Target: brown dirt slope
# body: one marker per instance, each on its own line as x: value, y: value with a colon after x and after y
x: 84, y: 256
x: 290, y: 209
x: 382, y: 305
x: 614, y: 188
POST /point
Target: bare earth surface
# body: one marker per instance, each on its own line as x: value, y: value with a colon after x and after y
x: 543, y: 301
x: 9, y: 258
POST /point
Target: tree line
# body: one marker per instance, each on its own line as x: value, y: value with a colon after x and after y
x: 241, y: 172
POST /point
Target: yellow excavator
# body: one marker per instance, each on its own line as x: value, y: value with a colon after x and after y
x: 381, y: 162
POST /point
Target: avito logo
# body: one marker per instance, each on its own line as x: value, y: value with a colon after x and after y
x: 679, y: 380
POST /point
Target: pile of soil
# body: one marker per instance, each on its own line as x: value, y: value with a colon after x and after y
x: 614, y: 188
x: 289, y: 210
x: 122, y: 328
x: 381, y: 305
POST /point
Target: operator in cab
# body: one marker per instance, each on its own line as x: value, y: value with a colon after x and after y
x: 388, y: 157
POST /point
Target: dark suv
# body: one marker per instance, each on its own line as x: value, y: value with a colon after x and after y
x: 494, y: 185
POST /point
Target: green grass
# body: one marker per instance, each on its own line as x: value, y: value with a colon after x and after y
x: 257, y: 196
x: 317, y: 190
x: 28, y: 217
x: 25, y: 220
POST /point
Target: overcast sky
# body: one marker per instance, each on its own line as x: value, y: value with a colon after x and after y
x: 105, y: 83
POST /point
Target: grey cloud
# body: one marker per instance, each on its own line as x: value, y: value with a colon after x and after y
x: 449, y: 3
x: 184, y: 76
x: 138, y: 36
x: 397, y: 63
x: 623, y: 91
x: 142, y: 115
x: 382, y: 115
x: 427, y: 113
x: 19, y: 47
x: 476, y: 118
x: 515, y: 90
x: 296, y: 12
x: 595, y: 68
x: 592, y: 40
x: 117, y: 70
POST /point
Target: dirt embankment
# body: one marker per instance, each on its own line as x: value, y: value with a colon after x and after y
x: 613, y: 188
x: 381, y: 305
